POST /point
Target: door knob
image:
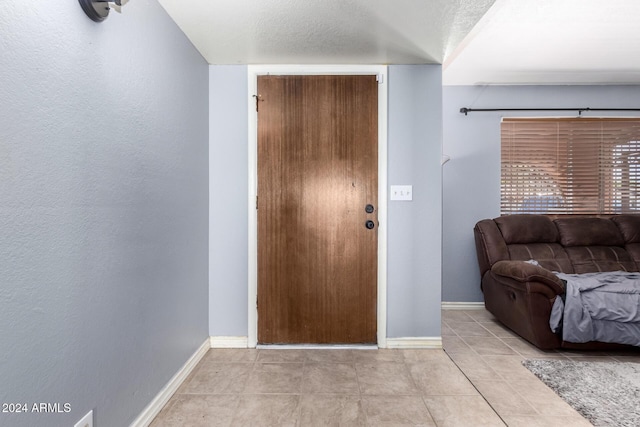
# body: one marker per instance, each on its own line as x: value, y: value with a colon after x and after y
x: 369, y: 224
x: 369, y: 208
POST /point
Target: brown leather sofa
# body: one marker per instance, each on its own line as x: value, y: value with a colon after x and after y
x: 520, y: 294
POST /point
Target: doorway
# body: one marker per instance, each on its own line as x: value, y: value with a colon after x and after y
x: 318, y: 261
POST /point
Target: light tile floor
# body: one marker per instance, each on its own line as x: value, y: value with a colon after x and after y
x: 478, y: 380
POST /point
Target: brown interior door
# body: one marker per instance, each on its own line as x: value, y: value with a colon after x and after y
x: 317, y: 172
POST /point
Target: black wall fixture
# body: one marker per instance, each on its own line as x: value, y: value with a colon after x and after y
x: 98, y: 10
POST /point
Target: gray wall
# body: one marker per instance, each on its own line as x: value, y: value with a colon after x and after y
x: 228, y: 160
x: 414, y: 251
x: 104, y: 213
x: 471, y: 180
x: 414, y: 233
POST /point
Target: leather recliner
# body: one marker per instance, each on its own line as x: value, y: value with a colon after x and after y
x: 520, y: 294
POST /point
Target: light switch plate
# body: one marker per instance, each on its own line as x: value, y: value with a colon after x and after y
x: 402, y: 192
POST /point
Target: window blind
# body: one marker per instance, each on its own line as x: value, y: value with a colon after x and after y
x: 570, y: 166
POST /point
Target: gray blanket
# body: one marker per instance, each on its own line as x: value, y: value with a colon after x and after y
x: 599, y: 307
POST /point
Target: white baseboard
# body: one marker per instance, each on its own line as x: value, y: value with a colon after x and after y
x: 155, y: 406
x: 229, y: 342
x: 398, y: 343
x: 415, y: 343
x: 462, y: 306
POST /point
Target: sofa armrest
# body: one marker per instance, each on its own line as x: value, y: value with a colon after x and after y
x: 521, y: 271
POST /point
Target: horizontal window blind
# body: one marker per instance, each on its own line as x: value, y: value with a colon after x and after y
x: 570, y: 166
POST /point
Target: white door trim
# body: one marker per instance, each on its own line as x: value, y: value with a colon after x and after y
x: 253, y: 72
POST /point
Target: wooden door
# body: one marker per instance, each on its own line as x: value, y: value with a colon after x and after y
x: 317, y: 172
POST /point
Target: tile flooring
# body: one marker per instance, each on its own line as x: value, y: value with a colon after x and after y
x: 476, y: 381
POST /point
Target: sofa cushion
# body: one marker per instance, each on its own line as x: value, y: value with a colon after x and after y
x: 490, y: 246
x: 592, y: 259
x: 588, y: 232
x: 634, y: 251
x: 551, y: 256
x: 629, y: 226
x: 527, y: 229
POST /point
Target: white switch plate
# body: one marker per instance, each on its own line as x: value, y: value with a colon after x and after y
x: 86, y: 421
x: 402, y: 192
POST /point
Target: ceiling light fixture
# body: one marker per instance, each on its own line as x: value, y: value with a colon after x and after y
x: 98, y: 10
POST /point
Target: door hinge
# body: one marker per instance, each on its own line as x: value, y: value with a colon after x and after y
x: 258, y: 99
x: 256, y: 202
x: 380, y: 78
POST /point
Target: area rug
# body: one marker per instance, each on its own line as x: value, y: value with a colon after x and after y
x: 605, y: 393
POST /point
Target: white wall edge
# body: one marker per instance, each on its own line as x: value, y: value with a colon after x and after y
x: 383, y: 172
x: 415, y: 343
x: 253, y: 71
x: 229, y: 342
x: 462, y: 305
x: 252, y: 232
x: 155, y: 406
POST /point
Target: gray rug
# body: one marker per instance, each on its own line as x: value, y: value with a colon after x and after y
x: 605, y: 393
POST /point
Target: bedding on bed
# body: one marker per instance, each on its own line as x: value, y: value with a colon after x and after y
x: 599, y: 307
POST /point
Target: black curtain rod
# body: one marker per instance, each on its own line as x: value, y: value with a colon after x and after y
x: 466, y: 110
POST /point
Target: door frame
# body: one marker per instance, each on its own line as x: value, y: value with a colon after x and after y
x: 253, y: 72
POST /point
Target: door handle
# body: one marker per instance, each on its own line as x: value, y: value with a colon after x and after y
x: 370, y: 224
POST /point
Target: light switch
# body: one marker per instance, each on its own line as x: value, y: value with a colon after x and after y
x: 402, y: 192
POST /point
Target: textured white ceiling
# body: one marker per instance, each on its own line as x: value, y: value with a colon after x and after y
x: 551, y: 42
x: 479, y: 42
x: 326, y: 31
